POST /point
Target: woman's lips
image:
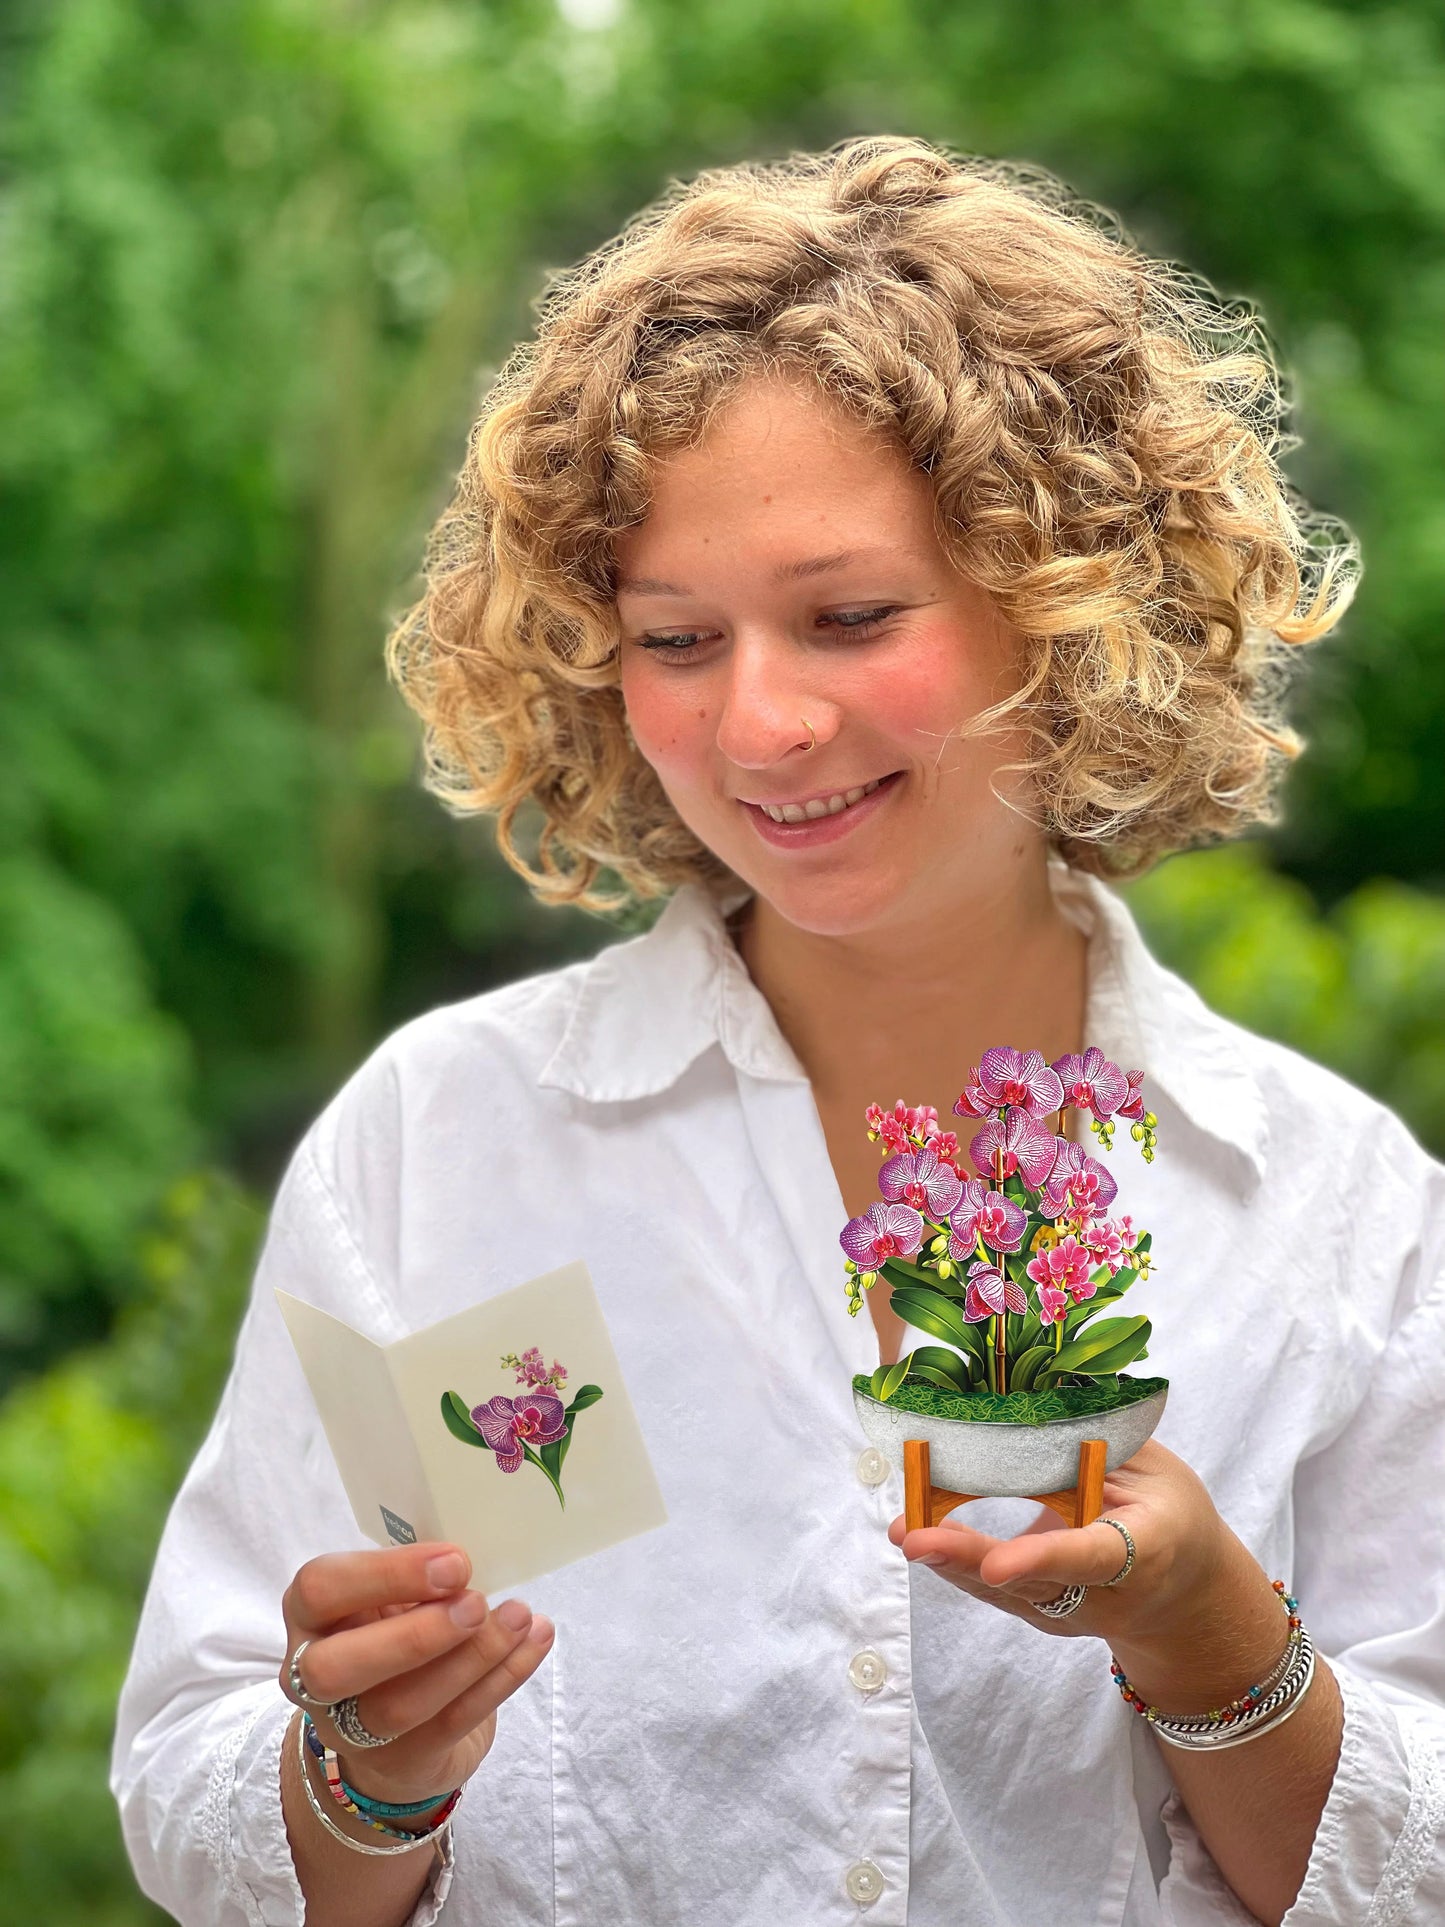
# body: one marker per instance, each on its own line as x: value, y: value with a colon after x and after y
x: 816, y: 830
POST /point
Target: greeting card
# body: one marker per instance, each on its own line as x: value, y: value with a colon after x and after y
x: 506, y: 1429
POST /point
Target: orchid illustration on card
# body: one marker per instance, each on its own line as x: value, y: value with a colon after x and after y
x: 531, y: 1426
x: 1010, y: 1252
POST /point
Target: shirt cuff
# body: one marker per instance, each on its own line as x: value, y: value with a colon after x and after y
x: 253, y: 1853
x: 1378, y: 1847
x: 1377, y: 1851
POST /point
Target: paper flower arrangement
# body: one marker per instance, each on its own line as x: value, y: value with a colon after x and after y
x: 1013, y: 1265
x: 532, y: 1427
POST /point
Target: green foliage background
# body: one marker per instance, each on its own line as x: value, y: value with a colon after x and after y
x: 254, y: 261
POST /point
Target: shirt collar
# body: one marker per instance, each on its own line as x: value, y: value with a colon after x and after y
x: 647, y: 1008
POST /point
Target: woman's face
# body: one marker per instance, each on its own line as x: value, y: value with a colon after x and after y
x: 788, y: 575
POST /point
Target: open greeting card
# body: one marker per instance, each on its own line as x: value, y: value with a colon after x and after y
x: 506, y: 1429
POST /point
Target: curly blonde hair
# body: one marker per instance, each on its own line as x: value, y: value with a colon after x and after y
x: 1102, y: 435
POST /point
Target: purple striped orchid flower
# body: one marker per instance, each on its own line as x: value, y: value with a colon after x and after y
x: 987, y: 1214
x: 1016, y: 1142
x: 1092, y: 1082
x: 921, y: 1179
x: 989, y: 1292
x: 507, y: 1424
x: 1020, y: 1078
x: 884, y: 1231
x: 1077, y: 1182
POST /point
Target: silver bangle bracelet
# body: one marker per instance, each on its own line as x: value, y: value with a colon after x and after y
x: 1270, y: 1712
x: 340, y: 1833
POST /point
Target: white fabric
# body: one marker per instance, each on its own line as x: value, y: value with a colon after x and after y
x: 694, y: 1750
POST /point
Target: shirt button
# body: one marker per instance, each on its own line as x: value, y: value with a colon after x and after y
x: 864, y: 1882
x: 872, y: 1466
x: 867, y: 1671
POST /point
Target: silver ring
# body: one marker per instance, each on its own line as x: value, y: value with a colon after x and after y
x: 348, y: 1723
x: 294, y: 1682
x: 1068, y: 1601
x: 1128, y: 1565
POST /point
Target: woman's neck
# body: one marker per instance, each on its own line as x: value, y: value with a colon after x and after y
x: 906, y: 1010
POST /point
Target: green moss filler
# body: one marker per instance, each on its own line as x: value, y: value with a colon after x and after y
x: 1016, y: 1408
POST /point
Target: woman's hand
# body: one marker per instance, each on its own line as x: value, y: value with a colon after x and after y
x: 1193, y: 1624
x: 427, y: 1662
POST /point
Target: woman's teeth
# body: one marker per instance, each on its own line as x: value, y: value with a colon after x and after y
x: 820, y: 806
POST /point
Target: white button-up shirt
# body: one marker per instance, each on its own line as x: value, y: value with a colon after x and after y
x: 758, y: 1713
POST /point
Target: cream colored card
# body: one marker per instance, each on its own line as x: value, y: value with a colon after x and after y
x: 425, y: 1429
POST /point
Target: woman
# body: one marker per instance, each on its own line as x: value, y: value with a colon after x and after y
x: 874, y: 552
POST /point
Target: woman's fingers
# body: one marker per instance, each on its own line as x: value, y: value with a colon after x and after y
x: 484, y: 1695
x: 409, y: 1765
x: 1089, y: 1556
x: 352, y: 1659
x: 1035, y: 1566
x: 338, y: 1585
x: 405, y: 1700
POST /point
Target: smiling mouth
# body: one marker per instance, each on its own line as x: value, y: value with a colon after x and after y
x: 818, y: 807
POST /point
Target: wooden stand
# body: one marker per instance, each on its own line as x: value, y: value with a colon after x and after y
x: 924, y: 1503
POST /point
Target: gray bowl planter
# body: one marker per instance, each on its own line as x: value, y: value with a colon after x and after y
x: 992, y: 1460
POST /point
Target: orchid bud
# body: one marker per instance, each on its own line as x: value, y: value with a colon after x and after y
x: 945, y: 1267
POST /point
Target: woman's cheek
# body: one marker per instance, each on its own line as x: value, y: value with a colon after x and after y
x: 669, y: 724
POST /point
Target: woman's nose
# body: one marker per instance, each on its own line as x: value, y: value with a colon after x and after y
x: 767, y: 711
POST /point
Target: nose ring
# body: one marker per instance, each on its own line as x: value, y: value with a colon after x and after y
x: 812, y: 742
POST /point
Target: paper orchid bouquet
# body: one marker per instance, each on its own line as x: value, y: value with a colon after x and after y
x: 1011, y: 1267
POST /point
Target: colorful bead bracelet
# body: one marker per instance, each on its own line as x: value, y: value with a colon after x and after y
x: 351, y: 1802
x: 1293, y: 1671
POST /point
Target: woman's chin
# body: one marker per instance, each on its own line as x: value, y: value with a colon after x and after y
x: 838, y: 906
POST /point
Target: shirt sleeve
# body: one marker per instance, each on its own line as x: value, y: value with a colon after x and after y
x: 1370, y: 1576
x: 196, y: 1761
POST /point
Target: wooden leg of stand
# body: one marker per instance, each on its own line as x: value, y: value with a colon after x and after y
x: 917, y: 1485
x: 1089, y: 1492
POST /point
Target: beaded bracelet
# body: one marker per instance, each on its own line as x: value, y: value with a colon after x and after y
x: 347, y: 1801
x: 407, y: 1843
x: 1266, y: 1704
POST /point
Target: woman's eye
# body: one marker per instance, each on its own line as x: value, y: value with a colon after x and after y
x: 687, y: 642
x: 673, y: 646
x: 856, y: 620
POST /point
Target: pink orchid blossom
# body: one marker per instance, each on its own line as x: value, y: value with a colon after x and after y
x: 991, y: 1291
x: 1132, y: 1109
x: 1014, y: 1077
x: 920, y: 1178
x: 1066, y: 1267
x: 507, y: 1424
x: 1053, y: 1303
x: 987, y: 1214
x: 884, y: 1231
x: 945, y: 1148
x: 1017, y: 1142
x: 973, y: 1100
x: 1076, y: 1183
x: 1092, y: 1082
x: 1105, y: 1245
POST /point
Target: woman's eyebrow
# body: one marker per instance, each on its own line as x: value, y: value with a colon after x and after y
x: 785, y: 572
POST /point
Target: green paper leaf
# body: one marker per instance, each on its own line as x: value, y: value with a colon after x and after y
x: 1103, y: 1349
x: 458, y: 1421
x: 941, y: 1316
x: 1024, y: 1369
x: 556, y: 1452
x: 893, y: 1377
x: 539, y: 1460
x: 949, y: 1371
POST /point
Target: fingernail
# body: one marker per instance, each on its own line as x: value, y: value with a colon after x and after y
x: 469, y: 1610
x: 447, y: 1570
x: 931, y: 1559
x: 542, y: 1630
x: 514, y: 1615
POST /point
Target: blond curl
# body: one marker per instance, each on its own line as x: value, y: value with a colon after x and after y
x: 1101, y: 432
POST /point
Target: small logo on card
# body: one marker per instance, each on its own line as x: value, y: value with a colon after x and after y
x: 397, y: 1529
